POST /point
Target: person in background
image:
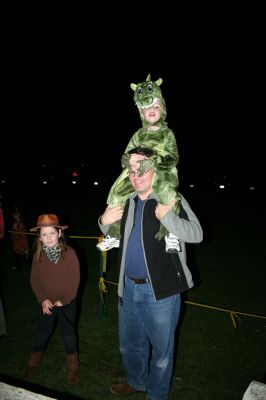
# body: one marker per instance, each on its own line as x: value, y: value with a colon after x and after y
x: 55, y: 278
x: 154, y: 134
x: 150, y: 281
x: 3, y: 329
x: 2, y: 219
x: 20, y: 244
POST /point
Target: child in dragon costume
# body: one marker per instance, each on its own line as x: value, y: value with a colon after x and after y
x: 156, y: 135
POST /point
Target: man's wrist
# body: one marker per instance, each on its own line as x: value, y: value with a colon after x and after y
x: 101, y: 219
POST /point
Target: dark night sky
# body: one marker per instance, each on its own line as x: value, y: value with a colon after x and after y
x: 67, y: 85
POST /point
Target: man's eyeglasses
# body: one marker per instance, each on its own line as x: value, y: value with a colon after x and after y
x: 132, y: 174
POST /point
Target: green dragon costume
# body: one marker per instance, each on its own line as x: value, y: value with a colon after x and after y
x: 165, y: 160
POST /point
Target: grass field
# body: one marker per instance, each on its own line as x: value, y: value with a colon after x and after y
x: 214, y: 359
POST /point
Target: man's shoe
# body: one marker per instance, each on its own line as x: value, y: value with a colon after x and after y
x: 123, y: 389
x: 108, y: 243
x: 172, y: 243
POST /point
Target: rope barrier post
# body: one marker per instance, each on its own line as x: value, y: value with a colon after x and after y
x: 102, y: 305
x: 102, y: 286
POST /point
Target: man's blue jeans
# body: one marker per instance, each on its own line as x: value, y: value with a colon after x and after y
x: 147, y: 333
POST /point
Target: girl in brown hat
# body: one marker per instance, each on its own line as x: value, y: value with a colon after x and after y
x: 55, y: 278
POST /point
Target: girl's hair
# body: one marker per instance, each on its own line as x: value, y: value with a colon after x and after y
x: 37, y: 245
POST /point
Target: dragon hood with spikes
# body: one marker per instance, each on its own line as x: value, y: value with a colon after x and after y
x: 146, y: 94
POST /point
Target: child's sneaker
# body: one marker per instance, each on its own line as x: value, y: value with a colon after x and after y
x: 172, y: 243
x: 108, y: 243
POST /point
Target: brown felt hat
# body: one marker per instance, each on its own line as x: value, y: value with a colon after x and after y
x: 45, y: 220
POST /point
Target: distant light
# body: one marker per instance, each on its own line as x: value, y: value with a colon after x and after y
x: 96, y: 183
x: 221, y: 186
x: 191, y: 185
x: 74, y: 182
x: 252, y: 188
x: 3, y: 181
x: 45, y: 182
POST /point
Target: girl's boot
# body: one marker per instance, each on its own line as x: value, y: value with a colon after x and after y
x: 34, y: 361
x: 72, y: 368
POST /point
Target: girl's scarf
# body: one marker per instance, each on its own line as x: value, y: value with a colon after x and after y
x: 53, y: 253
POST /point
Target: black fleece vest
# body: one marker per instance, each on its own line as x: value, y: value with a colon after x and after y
x: 165, y: 269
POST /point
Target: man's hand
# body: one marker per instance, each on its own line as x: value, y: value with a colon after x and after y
x: 162, y: 209
x: 111, y: 215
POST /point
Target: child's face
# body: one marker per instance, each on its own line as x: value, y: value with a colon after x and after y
x: 153, y: 113
x: 49, y: 236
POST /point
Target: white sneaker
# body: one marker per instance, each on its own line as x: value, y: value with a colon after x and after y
x: 108, y: 243
x: 172, y: 243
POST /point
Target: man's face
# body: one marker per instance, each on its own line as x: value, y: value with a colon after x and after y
x: 142, y: 184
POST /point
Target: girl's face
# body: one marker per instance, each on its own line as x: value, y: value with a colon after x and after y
x: 49, y: 236
x: 153, y: 113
